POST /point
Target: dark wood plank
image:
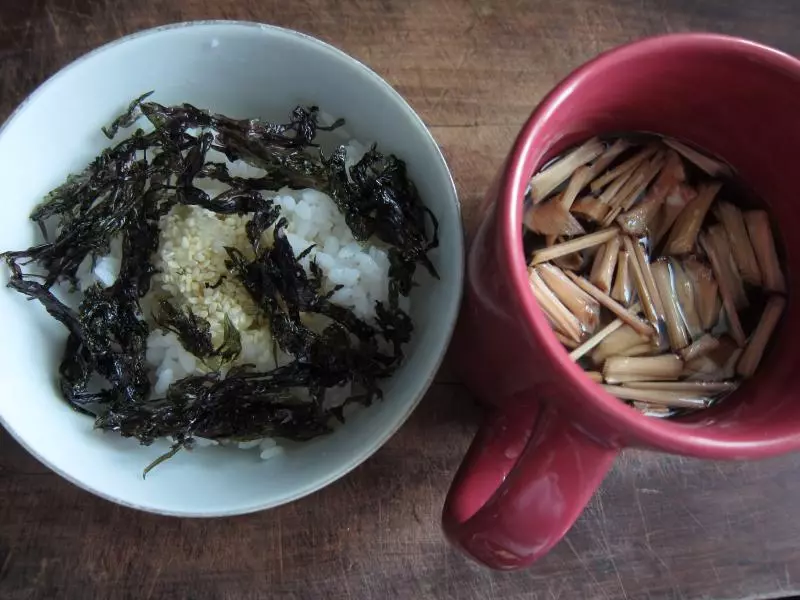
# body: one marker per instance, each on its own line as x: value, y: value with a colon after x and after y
x: 661, y: 527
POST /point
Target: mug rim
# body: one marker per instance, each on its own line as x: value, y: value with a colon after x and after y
x: 664, y: 434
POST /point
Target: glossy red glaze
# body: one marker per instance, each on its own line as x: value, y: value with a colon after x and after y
x: 552, y: 433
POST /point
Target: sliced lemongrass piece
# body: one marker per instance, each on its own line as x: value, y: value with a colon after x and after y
x: 637, y: 185
x: 661, y: 397
x: 719, y: 238
x: 565, y: 321
x: 622, y: 369
x: 591, y: 208
x: 606, y: 158
x: 551, y: 218
x: 576, y: 183
x: 718, y: 365
x: 684, y: 232
x: 701, y: 347
x: 570, y: 262
x: 615, y: 307
x: 618, y: 342
x: 647, y: 349
x: 645, y: 285
x: 604, y: 263
x: 702, y: 388
x: 709, y: 165
x: 622, y: 291
x: 613, y: 190
x: 676, y: 332
x: 545, y: 181
x: 748, y: 363
x: 687, y: 299
x: 706, y: 291
x: 578, y: 302
x: 760, y: 232
x: 653, y: 410
x: 623, y: 168
x: 678, y: 198
x: 595, y: 376
x: 571, y: 246
x: 598, y: 337
x: 609, y: 218
x: 637, y: 220
x: 568, y: 343
x: 743, y: 254
x: 725, y: 287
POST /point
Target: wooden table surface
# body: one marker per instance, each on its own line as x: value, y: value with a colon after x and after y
x: 660, y: 527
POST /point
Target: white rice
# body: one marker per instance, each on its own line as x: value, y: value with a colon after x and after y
x: 191, y: 257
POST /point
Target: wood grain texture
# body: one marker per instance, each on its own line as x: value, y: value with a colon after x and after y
x: 660, y: 528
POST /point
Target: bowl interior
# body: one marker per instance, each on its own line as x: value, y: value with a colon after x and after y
x: 242, y: 70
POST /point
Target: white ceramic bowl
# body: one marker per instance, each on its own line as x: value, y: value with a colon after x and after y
x: 244, y: 70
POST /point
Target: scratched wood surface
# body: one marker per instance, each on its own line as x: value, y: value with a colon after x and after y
x: 661, y: 527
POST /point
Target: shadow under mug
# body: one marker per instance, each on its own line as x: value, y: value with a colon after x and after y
x: 552, y: 434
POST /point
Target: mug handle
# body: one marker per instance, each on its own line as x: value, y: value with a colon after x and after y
x: 524, y: 481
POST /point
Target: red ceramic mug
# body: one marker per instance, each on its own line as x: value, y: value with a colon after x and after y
x: 552, y: 434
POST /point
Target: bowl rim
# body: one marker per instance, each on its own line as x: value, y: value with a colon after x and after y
x: 411, y: 403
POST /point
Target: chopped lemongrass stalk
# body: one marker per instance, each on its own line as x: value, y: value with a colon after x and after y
x: 598, y: 337
x: 703, y: 368
x: 615, y: 307
x: 705, y: 388
x: 706, y: 292
x: 638, y: 183
x: 623, y: 283
x: 609, y: 218
x: 547, y: 180
x: 604, y: 263
x: 677, y: 199
x: 637, y: 220
x: 646, y: 298
x: 640, y: 350
x: 687, y: 300
x: 728, y: 300
x: 701, y: 347
x: 621, y: 369
x: 623, y: 168
x: 576, y: 183
x: 570, y: 262
x: 719, y: 238
x: 578, y: 302
x: 591, y: 208
x: 565, y: 341
x: 709, y: 165
x: 748, y: 363
x: 551, y: 218
x: 581, y: 243
x: 565, y: 321
x: 595, y: 376
x: 640, y: 258
x: 613, y: 190
x: 684, y: 232
x: 676, y: 332
x: 763, y: 241
x: 618, y: 342
x: 662, y: 397
x: 743, y: 254
x: 606, y: 158
x: 653, y: 410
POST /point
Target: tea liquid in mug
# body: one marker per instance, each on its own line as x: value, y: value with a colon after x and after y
x: 657, y: 268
